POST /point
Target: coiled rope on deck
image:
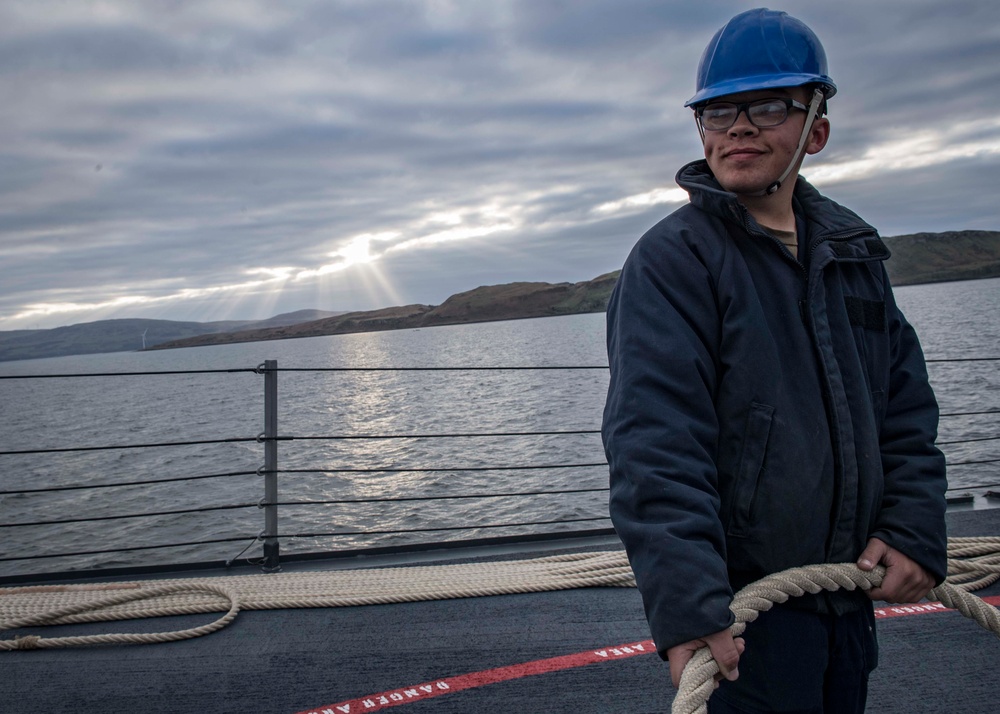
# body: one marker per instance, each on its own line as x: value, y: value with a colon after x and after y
x: 975, y: 563
x: 65, y: 604
x: 83, y: 611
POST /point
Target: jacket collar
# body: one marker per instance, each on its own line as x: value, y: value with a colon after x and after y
x: 826, y: 218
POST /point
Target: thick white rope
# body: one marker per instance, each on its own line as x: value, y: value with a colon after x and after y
x: 64, y: 604
x: 68, y: 613
x: 698, y: 679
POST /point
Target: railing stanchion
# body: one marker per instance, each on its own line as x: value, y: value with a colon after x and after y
x: 271, y: 563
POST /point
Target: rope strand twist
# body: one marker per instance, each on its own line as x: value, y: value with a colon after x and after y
x: 698, y: 679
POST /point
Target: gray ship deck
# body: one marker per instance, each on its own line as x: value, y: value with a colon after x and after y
x: 333, y: 660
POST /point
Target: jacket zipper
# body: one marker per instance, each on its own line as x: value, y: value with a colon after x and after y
x: 745, y: 215
x: 854, y: 233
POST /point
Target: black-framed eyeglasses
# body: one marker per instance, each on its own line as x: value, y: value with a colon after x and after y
x: 762, y: 113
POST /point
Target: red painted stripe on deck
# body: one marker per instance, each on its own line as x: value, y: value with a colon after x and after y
x: 922, y: 608
x: 427, y: 690
x: 419, y: 692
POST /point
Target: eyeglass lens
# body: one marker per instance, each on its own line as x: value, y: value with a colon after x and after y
x: 762, y: 113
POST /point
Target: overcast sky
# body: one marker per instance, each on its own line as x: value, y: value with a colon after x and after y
x: 231, y: 159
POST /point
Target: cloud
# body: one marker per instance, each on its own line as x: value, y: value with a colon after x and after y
x: 979, y: 138
x: 221, y: 159
x: 642, y: 200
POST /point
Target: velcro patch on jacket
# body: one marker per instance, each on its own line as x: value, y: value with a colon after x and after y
x: 875, y: 248
x: 868, y: 314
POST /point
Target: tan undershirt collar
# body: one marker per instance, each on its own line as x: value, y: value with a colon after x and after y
x: 788, y: 238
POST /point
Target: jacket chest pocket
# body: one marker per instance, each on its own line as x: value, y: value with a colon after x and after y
x: 748, y: 472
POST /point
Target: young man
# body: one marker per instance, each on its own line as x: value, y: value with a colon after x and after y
x: 769, y: 404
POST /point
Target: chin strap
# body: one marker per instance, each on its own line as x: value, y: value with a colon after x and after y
x: 814, y: 105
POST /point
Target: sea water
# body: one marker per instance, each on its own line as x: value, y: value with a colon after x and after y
x: 954, y: 320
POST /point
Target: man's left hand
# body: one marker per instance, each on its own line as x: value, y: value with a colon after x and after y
x: 905, y: 580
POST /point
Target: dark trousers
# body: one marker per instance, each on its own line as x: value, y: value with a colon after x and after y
x: 802, y: 662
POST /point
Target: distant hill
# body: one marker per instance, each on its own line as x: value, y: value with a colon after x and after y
x: 484, y: 304
x: 125, y: 335
x: 916, y: 258
x: 941, y: 257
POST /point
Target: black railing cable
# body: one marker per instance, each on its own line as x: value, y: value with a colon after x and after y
x: 261, y: 369
x: 978, y: 485
x: 145, y: 482
x: 261, y: 438
x: 944, y: 360
x: 147, y: 514
x: 261, y: 471
x: 443, y: 528
x: 232, y: 440
x: 459, y: 496
x: 515, y: 368
x: 457, y: 435
x: 131, y: 374
x: 972, y: 463
x: 261, y: 504
x: 436, y: 469
x: 935, y: 360
x: 296, y: 535
x: 111, y: 551
x: 348, y: 437
x: 968, y: 441
x: 962, y: 414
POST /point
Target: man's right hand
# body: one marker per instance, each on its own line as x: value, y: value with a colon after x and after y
x: 726, y: 650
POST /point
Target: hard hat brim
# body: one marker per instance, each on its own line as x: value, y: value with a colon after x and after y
x: 750, y: 84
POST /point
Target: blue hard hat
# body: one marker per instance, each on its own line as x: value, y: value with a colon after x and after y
x: 761, y: 49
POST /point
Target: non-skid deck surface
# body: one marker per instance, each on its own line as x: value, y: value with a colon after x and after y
x: 290, y: 661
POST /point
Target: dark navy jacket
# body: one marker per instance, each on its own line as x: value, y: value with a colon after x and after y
x: 763, y: 413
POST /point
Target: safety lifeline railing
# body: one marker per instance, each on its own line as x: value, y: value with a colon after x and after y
x: 270, y: 536
x: 975, y: 450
